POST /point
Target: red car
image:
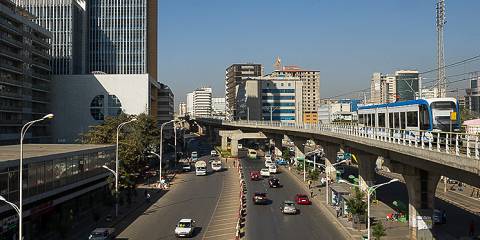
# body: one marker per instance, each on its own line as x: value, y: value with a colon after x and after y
x: 302, y: 199
x: 255, y: 175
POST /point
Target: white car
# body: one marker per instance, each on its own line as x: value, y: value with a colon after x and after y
x: 268, y: 163
x: 268, y: 157
x: 213, y: 153
x: 272, y: 168
x: 185, y: 228
x: 264, y: 172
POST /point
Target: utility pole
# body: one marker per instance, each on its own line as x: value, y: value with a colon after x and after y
x: 441, y: 74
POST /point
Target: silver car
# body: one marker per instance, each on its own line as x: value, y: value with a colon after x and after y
x: 289, y: 207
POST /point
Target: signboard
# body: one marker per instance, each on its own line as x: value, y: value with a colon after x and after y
x: 453, y: 116
x: 424, y: 222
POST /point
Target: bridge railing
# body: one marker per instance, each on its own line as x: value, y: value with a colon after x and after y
x: 454, y: 143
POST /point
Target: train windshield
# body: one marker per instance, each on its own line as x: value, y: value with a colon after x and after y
x: 441, y: 114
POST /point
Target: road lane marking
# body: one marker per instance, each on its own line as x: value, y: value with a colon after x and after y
x: 221, y: 224
x: 222, y: 229
x: 219, y: 235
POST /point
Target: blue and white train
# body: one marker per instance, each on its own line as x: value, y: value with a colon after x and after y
x: 423, y: 114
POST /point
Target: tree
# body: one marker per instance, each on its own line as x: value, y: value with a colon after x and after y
x: 378, y: 231
x: 286, y: 154
x: 313, y: 174
x: 136, y: 140
x: 356, y: 206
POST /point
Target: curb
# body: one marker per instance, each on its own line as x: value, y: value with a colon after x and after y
x: 324, y: 210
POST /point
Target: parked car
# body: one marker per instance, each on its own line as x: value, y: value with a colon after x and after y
x: 268, y: 157
x: 281, y: 162
x: 439, y: 216
x: 255, y: 175
x: 102, y: 234
x: 264, y: 172
x: 302, y: 199
x: 274, y: 183
x: 288, y: 207
x: 260, y: 198
x: 185, y: 228
x: 268, y: 163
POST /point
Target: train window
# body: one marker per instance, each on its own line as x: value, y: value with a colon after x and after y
x: 381, y: 120
x: 402, y: 120
x: 390, y: 120
x: 361, y: 119
x: 396, y: 120
x: 424, y: 118
x: 372, y: 120
x: 412, y: 119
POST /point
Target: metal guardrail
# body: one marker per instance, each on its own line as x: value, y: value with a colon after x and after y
x: 452, y: 143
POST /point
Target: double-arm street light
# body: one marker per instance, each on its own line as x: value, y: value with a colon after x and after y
x: 370, y: 190
x: 161, y: 147
x: 20, y: 205
x: 115, y: 173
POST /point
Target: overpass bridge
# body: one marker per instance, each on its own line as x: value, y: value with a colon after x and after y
x: 421, y: 157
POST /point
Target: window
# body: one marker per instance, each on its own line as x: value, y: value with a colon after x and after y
x: 396, y: 120
x: 361, y: 119
x: 99, y: 108
x: 402, y: 120
x: 412, y: 119
x: 390, y: 120
x: 381, y: 120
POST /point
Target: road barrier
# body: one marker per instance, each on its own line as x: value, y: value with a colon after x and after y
x: 243, y: 202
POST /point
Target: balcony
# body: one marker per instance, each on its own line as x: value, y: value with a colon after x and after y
x: 44, y: 100
x: 11, y: 55
x: 10, y: 40
x: 7, y: 25
x: 41, y: 42
x: 9, y: 81
x: 40, y: 87
x: 41, y: 65
x: 11, y: 68
x: 42, y: 54
x: 11, y: 109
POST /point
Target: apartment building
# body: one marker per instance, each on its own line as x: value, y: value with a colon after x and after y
x: 382, y: 88
x: 202, y: 102
x: 24, y: 75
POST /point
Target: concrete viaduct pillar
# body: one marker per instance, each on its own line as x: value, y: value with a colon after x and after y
x: 224, y: 142
x: 366, y: 169
x: 234, y: 147
x: 299, y: 145
x: 276, y: 139
x: 330, y: 158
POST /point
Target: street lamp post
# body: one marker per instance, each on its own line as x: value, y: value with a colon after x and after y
x: 327, y: 173
x: 116, y: 163
x: 161, y: 147
x: 22, y: 136
x: 369, y: 192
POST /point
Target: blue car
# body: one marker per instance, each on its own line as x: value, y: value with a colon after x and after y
x: 281, y: 161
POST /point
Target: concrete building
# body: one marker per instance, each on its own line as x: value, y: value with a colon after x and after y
x: 407, y: 84
x: 190, y: 104
x: 382, y: 88
x: 67, y: 20
x: 310, y: 90
x: 202, y: 102
x: 218, y: 107
x: 233, y: 95
x: 65, y: 182
x: 272, y: 98
x: 24, y: 75
x: 123, y: 36
x: 182, y: 109
x: 427, y: 93
x: 472, y: 100
x: 96, y: 96
x: 166, y: 104
x: 336, y: 112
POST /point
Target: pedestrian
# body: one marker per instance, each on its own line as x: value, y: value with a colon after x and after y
x: 234, y: 163
x: 337, y: 210
x: 322, y: 181
x: 148, y: 197
x: 309, y: 184
x: 226, y: 160
x: 471, y: 229
x: 311, y: 193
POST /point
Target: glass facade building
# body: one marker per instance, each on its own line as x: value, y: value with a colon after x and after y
x: 122, y: 36
x: 66, y: 20
x: 407, y: 83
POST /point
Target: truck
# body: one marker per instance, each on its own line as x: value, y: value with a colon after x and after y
x: 217, y: 165
x: 186, y: 165
x: 200, y: 168
x: 194, y: 156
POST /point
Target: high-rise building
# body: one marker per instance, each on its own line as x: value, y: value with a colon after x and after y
x: 24, y: 75
x: 310, y: 90
x: 182, y: 109
x: 407, y: 84
x: 236, y: 106
x: 123, y: 36
x: 190, y: 104
x: 67, y: 21
x: 472, y: 100
x: 202, y: 102
x: 382, y: 88
x: 166, y: 105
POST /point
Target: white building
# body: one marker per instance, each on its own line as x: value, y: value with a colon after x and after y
x: 382, y: 88
x: 338, y: 111
x: 218, y: 106
x: 190, y: 104
x: 182, y: 109
x: 202, y: 102
x: 82, y: 101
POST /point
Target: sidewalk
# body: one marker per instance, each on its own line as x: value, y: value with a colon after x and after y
x: 394, y: 230
x: 125, y: 210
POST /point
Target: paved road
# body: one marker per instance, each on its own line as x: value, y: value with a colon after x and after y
x: 189, y: 197
x: 267, y: 222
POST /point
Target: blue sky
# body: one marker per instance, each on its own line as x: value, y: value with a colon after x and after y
x: 346, y: 40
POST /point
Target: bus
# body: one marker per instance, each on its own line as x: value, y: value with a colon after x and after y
x: 409, y: 117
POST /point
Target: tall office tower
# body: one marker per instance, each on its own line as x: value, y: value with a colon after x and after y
x: 67, y: 21
x: 24, y: 75
x: 189, y: 104
x: 123, y: 36
x: 310, y: 90
x: 218, y: 107
x: 182, y: 109
x: 166, y: 105
x: 382, y: 88
x: 236, y: 107
x: 407, y: 84
x: 202, y: 102
x: 472, y: 100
